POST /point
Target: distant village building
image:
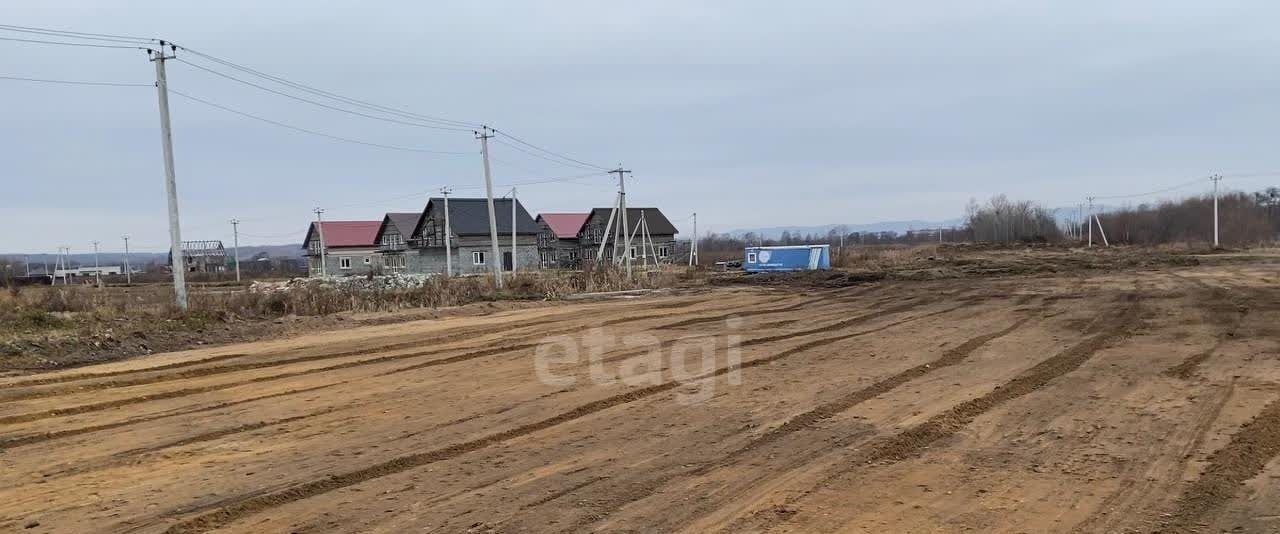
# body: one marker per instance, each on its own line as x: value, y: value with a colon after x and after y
x: 471, y: 244
x: 349, y: 248
x: 393, y: 240
x: 202, y: 256
x: 558, y: 239
x: 660, y: 231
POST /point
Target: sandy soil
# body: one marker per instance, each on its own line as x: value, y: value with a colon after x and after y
x: 1136, y: 401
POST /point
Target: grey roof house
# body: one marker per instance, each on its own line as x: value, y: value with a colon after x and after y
x: 424, y: 248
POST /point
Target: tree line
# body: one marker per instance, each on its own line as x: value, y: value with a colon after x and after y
x: 1243, y: 219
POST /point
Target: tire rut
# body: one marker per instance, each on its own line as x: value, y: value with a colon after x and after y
x: 813, y: 417
x: 94, y: 407
x: 235, y: 509
x: 31, y: 439
x: 211, y: 371
x: 446, y: 337
x: 1252, y: 446
x: 917, y: 439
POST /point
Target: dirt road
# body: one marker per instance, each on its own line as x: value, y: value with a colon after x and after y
x: 1133, y: 401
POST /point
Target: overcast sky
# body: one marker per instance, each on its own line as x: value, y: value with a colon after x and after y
x: 750, y: 113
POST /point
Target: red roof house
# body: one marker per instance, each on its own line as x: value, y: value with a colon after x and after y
x: 564, y: 225
x: 340, y: 234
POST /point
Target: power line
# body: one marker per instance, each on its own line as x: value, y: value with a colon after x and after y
x: 76, y: 82
x: 74, y: 35
x: 312, y: 132
x: 331, y: 95
x: 1148, y: 193
x: 545, y: 158
x: 63, y: 43
x: 321, y: 104
x: 540, y: 149
x: 33, y: 29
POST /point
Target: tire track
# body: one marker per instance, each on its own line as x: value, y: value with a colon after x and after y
x: 768, y: 311
x: 810, y: 419
x: 1188, y: 367
x: 48, y: 436
x: 106, y: 405
x: 448, y: 336
x: 1252, y: 446
x: 235, y: 509
x: 1122, y: 504
x: 212, y: 371
x: 915, y: 440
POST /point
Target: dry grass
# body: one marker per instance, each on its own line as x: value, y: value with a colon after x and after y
x: 882, y: 257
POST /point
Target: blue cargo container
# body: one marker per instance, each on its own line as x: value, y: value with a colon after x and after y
x: 789, y: 258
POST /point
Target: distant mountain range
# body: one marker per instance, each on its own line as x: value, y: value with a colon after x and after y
x: 1064, y: 215
x: 773, y: 232
x: 141, y: 259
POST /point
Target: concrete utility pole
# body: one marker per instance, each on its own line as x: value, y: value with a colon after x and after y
x: 1079, y: 219
x: 622, y: 208
x: 235, y: 233
x: 693, y: 246
x: 324, y: 270
x: 448, y: 248
x: 170, y: 181
x: 1090, y: 199
x: 128, y: 271
x: 97, y: 267
x: 495, y: 263
x: 513, y: 230
x: 27, y: 260
x: 1215, y: 178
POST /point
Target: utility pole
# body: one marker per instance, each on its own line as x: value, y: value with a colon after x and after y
x: 448, y: 249
x: 693, y: 247
x: 170, y: 181
x: 513, y: 231
x: 494, y: 262
x: 97, y: 267
x: 324, y: 270
x: 128, y: 271
x: 27, y: 260
x: 1215, y: 178
x: 1090, y: 199
x: 622, y: 208
x: 235, y: 233
x: 1079, y: 218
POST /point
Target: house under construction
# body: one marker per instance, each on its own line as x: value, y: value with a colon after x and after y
x: 203, y: 256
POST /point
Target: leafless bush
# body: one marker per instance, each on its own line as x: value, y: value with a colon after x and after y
x: 1243, y: 220
x: 1002, y: 220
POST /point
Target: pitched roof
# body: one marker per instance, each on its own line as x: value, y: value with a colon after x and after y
x: 658, y: 223
x: 470, y: 216
x: 346, y: 233
x: 564, y: 225
x: 405, y: 223
x: 203, y: 248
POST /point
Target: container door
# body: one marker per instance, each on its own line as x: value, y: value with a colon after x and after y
x: 815, y: 254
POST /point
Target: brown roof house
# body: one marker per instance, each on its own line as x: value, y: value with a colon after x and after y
x: 657, y: 246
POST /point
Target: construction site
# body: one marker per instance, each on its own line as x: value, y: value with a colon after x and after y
x: 1065, y: 398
